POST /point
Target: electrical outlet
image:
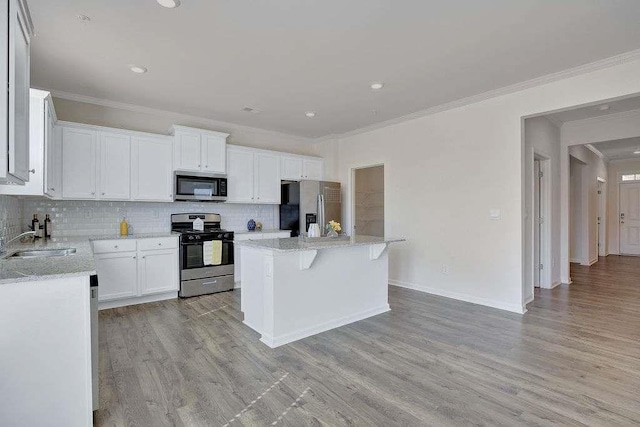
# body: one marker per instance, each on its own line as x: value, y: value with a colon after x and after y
x: 445, y: 269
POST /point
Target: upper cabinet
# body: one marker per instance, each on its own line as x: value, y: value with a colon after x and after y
x: 79, y: 155
x: 298, y: 168
x: 253, y: 176
x: 15, y: 35
x: 114, y: 177
x: 199, y: 150
x: 41, y: 135
x: 152, y: 169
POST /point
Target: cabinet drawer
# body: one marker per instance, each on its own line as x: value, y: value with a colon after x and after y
x: 158, y: 243
x: 113, y: 246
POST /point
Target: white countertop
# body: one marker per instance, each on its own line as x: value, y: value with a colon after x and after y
x: 294, y: 244
x: 267, y: 231
x: 81, y: 263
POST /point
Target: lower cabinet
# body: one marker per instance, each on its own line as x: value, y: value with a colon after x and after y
x: 282, y: 234
x: 135, y: 271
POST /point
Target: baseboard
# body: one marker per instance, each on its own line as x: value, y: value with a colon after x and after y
x: 137, y: 300
x: 575, y: 261
x: 593, y: 261
x: 274, y: 342
x: 555, y: 284
x: 528, y: 300
x: 514, y: 308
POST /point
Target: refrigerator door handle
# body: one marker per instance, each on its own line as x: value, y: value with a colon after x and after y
x: 321, y: 213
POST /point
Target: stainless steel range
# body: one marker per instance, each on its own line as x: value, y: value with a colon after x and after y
x: 206, y: 254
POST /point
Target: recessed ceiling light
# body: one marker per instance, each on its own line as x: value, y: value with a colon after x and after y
x: 138, y: 69
x: 636, y: 152
x: 377, y: 85
x: 604, y: 107
x: 169, y: 3
x: 310, y: 114
x: 83, y: 18
x: 250, y: 110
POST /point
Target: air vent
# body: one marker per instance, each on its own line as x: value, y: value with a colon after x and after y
x: 250, y: 110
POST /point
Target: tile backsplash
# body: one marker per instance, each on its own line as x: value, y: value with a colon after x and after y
x: 10, y: 217
x: 88, y: 218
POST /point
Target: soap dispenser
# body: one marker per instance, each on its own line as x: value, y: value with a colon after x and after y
x: 124, y: 227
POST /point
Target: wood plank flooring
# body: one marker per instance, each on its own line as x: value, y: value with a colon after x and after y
x: 573, y: 359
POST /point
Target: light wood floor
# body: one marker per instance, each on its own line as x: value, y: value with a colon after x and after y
x: 573, y: 359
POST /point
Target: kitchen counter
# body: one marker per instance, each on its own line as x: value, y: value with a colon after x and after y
x: 81, y: 263
x: 135, y: 236
x: 263, y: 231
x: 295, y: 244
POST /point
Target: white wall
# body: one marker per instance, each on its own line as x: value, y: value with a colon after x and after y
x: 446, y: 171
x: 542, y: 139
x: 613, y: 200
x: 161, y: 122
x: 593, y: 169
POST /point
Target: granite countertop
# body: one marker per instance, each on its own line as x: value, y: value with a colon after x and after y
x: 135, y: 236
x: 81, y: 263
x: 263, y: 231
x: 294, y: 244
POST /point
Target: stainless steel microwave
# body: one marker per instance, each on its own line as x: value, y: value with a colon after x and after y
x: 198, y: 186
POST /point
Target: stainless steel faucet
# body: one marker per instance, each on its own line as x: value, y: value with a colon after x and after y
x: 3, y: 244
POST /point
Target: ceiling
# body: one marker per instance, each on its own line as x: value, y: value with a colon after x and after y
x: 598, y: 110
x: 619, y: 149
x: 212, y: 58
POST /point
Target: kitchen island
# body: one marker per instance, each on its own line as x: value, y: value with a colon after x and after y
x: 294, y: 288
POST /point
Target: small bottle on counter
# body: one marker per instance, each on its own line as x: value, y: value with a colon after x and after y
x: 35, y: 225
x: 47, y: 227
x: 124, y: 227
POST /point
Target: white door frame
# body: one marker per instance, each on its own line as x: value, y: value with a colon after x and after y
x: 602, y: 214
x: 619, y: 182
x: 547, y: 220
x: 352, y: 195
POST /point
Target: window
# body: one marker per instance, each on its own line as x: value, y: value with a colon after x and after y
x: 630, y: 177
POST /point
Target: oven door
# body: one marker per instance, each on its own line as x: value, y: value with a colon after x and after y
x: 200, y: 186
x: 192, y: 255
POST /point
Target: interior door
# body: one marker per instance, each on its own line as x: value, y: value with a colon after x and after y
x: 537, y: 224
x: 630, y: 219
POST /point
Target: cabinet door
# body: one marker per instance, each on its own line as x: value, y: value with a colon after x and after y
x: 152, y: 169
x: 159, y: 271
x: 115, y: 166
x: 239, y: 176
x: 312, y: 169
x: 117, y: 275
x: 52, y: 168
x: 267, y: 178
x: 78, y: 163
x: 214, y: 154
x: 291, y: 168
x: 19, y: 83
x: 188, y: 153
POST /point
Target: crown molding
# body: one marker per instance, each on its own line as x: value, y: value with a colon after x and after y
x: 172, y: 114
x: 632, y: 114
x: 596, y: 152
x: 612, y: 61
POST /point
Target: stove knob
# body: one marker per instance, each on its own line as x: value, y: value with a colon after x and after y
x: 197, y: 237
x: 219, y: 236
x: 190, y: 237
x: 227, y: 235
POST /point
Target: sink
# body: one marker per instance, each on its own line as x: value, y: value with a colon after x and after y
x: 44, y: 253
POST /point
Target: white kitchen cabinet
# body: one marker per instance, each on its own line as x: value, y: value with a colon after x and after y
x: 152, y: 169
x: 79, y: 155
x: 52, y: 154
x: 291, y: 168
x: 253, y: 176
x: 312, y: 169
x: 156, y: 268
x: 240, y: 181
x: 15, y: 35
x: 115, y: 166
x: 133, y: 271
x: 257, y: 235
x: 199, y: 150
x: 117, y: 275
x: 267, y: 178
x: 40, y: 129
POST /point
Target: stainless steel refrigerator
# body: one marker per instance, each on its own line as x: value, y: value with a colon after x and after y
x: 309, y: 202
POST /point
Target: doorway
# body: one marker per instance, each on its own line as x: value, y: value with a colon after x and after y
x: 601, y: 227
x: 630, y: 218
x: 576, y: 212
x: 369, y: 201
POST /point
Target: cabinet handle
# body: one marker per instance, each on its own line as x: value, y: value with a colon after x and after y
x: 210, y: 283
x: 206, y: 166
x: 93, y: 193
x: 143, y: 257
x: 199, y: 166
x: 134, y: 257
x: 115, y: 247
x: 32, y: 171
x: 104, y: 194
x: 159, y: 244
x: 53, y: 189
